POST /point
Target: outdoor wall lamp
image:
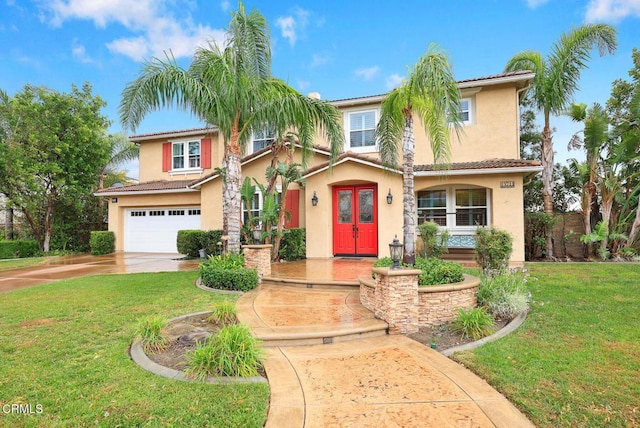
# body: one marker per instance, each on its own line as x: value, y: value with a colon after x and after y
x: 114, y: 200
x: 314, y: 199
x: 395, y: 250
x: 389, y: 197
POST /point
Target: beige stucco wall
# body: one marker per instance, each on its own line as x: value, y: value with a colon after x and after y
x: 151, y: 159
x: 117, y: 210
x: 506, y: 209
x: 320, y: 235
x: 507, y: 205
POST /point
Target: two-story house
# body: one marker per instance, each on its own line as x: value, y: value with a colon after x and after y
x: 354, y: 208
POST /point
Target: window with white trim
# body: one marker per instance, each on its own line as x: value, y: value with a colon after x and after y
x: 256, y: 205
x: 262, y: 139
x: 466, y: 112
x: 360, y: 129
x: 185, y: 155
x: 454, y: 207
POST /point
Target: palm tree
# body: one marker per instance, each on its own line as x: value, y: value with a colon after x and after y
x: 595, y: 137
x: 431, y: 93
x: 555, y: 83
x: 122, y: 151
x: 231, y: 87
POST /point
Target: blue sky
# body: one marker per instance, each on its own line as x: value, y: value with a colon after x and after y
x: 339, y: 48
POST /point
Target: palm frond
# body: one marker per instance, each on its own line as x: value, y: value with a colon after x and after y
x: 391, y: 125
x: 533, y: 61
x: 569, y: 56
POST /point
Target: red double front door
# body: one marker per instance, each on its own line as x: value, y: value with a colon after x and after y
x: 355, y: 220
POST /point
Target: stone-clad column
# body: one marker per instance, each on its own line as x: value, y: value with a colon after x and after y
x: 258, y: 256
x: 396, y: 297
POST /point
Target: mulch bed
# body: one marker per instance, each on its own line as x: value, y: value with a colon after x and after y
x: 443, y: 337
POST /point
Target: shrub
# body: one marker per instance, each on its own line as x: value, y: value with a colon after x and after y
x: 536, y: 227
x: 230, y: 352
x: 102, y: 242
x: 436, y: 271
x: 18, y: 249
x: 505, y: 296
x: 432, y: 245
x: 227, y: 272
x: 383, y: 262
x: 189, y: 242
x: 224, y: 313
x: 493, y: 250
x: 211, y: 242
x: 152, y: 335
x: 293, y: 245
x: 475, y: 323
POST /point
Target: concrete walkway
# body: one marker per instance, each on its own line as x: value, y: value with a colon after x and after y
x: 345, y: 371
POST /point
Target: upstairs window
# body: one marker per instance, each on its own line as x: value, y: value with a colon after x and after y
x: 262, y: 139
x: 465, y: 112
x: 360, y: 128
x: 185, y: 155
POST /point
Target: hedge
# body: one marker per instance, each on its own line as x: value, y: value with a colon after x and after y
x: 226, y: 272
x: 293, y: 245
x: 18, y: 249
x: 190, y: 242
x: 102, y: 242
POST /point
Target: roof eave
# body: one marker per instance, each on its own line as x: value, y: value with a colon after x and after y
x: 146, y: 192
x: 480, y: 171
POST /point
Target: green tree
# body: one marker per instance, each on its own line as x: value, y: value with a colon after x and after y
x: 52, y: 153
x: 431, y: 93
x: 596, y: 136
x: 555, y: 83
x: 623, y: 108
x: 232, y: 88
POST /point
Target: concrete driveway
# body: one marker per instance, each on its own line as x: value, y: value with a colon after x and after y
x: 82, y: 265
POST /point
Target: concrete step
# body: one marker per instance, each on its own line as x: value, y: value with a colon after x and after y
x: 320, y: 335
x: 301, y: 283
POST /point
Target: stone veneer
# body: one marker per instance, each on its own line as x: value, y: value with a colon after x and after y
x: 395, y: 297
x: 259, y: 257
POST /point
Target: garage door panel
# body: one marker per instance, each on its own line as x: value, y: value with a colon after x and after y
x: 155, y: 229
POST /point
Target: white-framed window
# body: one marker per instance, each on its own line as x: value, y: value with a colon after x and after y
x: 256, y: 205
x: 454, y: 207
x: 185, y: 155
x: 262, y: 139
x: 466, y: 111
x: 360, y: 129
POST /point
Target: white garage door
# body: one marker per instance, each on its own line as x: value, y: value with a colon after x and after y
x: 154, y: 230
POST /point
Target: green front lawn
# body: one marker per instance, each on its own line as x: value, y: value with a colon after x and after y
x: 64, y: 346
x: 576, y: 360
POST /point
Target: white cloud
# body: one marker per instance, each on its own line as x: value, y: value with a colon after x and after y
x: 393, y: 81
x: 611, y: 10
x: 292, y: 26
x: 535, y: 3
x: 225, y: 5
x: 155, y: 28
x: 287, y: 27
x: 318, y: 59
x: 367, y: 73
x: 80, y: 53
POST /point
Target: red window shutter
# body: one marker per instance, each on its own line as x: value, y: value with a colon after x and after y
x: 166, y: 157
x: 205, y: 153
x: 292, y: 206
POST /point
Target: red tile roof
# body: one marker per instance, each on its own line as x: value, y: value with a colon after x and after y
x: 149, y: 186
x: 173, y: 134
x: 484, y: 164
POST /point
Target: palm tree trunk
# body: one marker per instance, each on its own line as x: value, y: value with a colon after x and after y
x: 8, y: 224
x: 586, y: 215
x: 232, y: 203
x: 409, y: 204
x: 547, y: 179
x: 635, y: 227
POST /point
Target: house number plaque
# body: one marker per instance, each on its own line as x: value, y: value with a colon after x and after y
x: 507, y: 184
